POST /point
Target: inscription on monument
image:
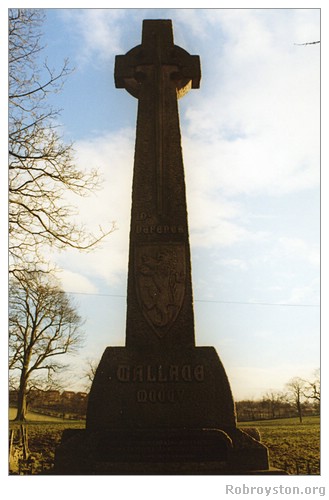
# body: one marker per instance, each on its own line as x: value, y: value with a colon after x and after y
x: 159, y: 229
x: 146, y: 225
x: 170, y: 373
x: 163, y: 378
x: 159, y: 396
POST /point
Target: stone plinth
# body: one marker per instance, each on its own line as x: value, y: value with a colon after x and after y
x: 151, y: 389
x: 154, y: 413
x: 161, y: 452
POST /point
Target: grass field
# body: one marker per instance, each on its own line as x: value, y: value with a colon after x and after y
x: 35, y: 417
x: 292, y: 446
x: 44, y: 435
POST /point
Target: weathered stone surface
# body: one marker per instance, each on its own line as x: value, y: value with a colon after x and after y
x: 160, y: 405
x: 159, y: 298
x: 181, y: 389
x: 160, y: 451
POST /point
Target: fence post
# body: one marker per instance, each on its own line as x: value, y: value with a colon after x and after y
x: 11, y: 439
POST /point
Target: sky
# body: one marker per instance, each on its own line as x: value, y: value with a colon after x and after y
x: 250, y: 138
x: 251, y: 149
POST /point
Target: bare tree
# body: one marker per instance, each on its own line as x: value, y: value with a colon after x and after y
x: 90, y: 371
x: 274, y: 401
x: 41, y: 166
x: 312, y: 389
x: 43, y: 326
x: 296, y: 387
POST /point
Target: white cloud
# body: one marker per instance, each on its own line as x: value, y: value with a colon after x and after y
x: 112, y: 154
x: 254, y: 165
x: 73, y: 282
x: 296, y: 248
x: 235, y: 263
x: 306, y: 294
x: 254, y: 127
x: 99, y: 32
x: 222, y: 233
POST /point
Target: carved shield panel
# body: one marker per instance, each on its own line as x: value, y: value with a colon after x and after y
x: 160, y: 272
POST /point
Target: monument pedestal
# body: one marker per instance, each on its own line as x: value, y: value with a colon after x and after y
x: 161, y: 413
x: 144, y: 389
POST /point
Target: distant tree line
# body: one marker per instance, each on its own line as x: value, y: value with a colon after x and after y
x: 53, y: 402
x: 299, y: 398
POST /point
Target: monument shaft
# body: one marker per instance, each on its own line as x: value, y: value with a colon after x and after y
x: 159, y: 299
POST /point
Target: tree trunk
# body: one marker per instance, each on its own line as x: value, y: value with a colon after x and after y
x: 299, y: 409
x: 21, y: 401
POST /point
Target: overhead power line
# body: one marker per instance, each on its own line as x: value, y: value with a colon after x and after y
x: 279, y: 304
x: 257, y: 303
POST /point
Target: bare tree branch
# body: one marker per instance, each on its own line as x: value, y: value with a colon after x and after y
x: 308, y: 43
x: 41, y: 167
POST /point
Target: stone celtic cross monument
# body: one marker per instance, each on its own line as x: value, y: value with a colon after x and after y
x: 159, y: 302
x: 159, y: 405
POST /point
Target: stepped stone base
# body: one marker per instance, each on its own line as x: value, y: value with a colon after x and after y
x: 161, y: 452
